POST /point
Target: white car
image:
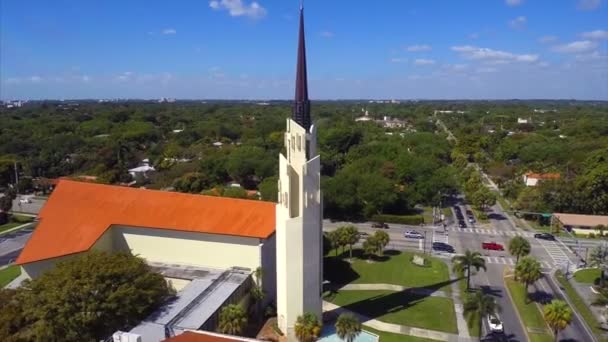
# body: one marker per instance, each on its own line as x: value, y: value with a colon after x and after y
x: 25, y: 200
x: 412, y: 234
x: 495, y: 324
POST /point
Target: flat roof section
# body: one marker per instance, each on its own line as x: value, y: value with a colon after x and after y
x: 194, y: 304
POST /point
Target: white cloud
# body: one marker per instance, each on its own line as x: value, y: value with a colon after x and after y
x: 514, y: 2
x: 35, y: 79
x: 547, y: 39
x: 518, y: 23
x: 492, y: 56
x: 597, y: 34
x: 125, y: 76
x: 237, y: 8
x: 419, y: 48
x: 588, y: 5
x: 13, y: 80
x: 327, y: 34
x: 422, y: 61
x: 593, y: 56
x: 576, y: 47
x: 169, y: 31
x: 398, y: 60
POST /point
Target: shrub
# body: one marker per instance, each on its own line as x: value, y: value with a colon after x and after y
x: 402, y: 219
x: 591, y: 235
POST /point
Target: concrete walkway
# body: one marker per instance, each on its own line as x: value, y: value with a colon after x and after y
x: 396, y: 328
x: 390, y: 287
x: 461, y: 321
x: 15, y: 283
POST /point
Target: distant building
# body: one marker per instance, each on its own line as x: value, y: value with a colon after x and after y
x: 364, y: 118
x: 144, y: 169
x: 218, y: 144
x: 524, y: 121
x: 581, y: 224
x: 532, y: 179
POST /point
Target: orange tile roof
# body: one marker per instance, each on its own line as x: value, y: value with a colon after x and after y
x: 202, y: 336
x: 78, y: 213
x: 543, y: 175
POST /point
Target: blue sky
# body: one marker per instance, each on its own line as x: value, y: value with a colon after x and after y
x: 243, y: 49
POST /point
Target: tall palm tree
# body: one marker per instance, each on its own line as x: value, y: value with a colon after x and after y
x: 351, y: 237
x: 383, y: 239
x: 558, y: 315
x: 467, y: 261
x: 479, y: 304
x: 528, y: 270
x: 308, y: 327
x: 233, y: 320
x: 348, y: 327
x: 519, y: 247
x: 598, y: 257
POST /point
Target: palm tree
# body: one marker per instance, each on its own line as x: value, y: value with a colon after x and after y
x: 233, y: 320
x: 598, y: 257
x: 351, y: 237
x: 348, y: 327
x: 467, y: 261
x: 519, y: 247
x: 307, y: 327
x: 558, y: 315
x: 528, y: 271
x: 370, y: 245
x: 383, y: 239
x: 479, y: 304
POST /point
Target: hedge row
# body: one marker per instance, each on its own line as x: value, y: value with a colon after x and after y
x: 402, y: 219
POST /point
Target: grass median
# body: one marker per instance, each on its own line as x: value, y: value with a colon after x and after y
x: 580, y: 306
x: 395, y: 268
x: 8, y: 274
x: 529, y: 312
x: 587, y: 276
x: 403, y: 308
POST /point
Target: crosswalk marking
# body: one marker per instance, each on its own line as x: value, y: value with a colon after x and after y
x: 511, y: 261
x: 492, y: 232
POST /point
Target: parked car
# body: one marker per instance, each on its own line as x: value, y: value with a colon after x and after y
x: 25, y: 200
x: 544, y: 236
x: 461, y: 224
x: 495, y: 324
x: 493, y: 246
x: 379, y: 225
x: 442, y: 247
x: 412, y: 234
x: 363, y: 234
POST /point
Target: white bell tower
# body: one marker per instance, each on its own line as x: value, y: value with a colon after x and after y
x: 299, y: 211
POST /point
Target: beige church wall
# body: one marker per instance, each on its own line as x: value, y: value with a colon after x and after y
x: 105, y: 242
x: 188, y: 248
x: 177, y: 283
x: 36, y: 269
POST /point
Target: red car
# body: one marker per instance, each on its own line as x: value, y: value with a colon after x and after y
x: 493, y: 246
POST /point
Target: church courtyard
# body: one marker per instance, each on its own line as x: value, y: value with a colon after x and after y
x: 391, y: 289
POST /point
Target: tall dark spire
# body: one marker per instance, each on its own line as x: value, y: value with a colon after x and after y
x: 301, y: 105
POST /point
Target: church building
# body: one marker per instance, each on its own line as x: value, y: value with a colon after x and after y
x: 207, y: 247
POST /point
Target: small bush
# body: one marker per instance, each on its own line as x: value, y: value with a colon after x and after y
x: 591, y: 235
x: 401, y: 219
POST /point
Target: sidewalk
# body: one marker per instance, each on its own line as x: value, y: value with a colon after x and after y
x: 396, y: 328
x: 461, y: 321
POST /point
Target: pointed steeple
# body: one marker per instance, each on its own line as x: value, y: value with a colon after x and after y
x: 301, y: 105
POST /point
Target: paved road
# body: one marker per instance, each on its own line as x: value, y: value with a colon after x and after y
x: 28, y: 208
x: 12, y: 243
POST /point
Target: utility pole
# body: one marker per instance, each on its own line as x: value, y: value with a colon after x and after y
x: 16, y: 177
x: 424, y: 244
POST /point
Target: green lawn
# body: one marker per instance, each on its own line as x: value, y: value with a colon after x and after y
x: 502, y: 201
x: 540, y: 337
x: 435, y: 313
x: 391, y: 337
x: 479, y: 215
x: 529, y: 312
x: 580, y: 305
x: 427, y: 214
x: 587, y: 276
x: 8, y: 274
x: 394, y: 268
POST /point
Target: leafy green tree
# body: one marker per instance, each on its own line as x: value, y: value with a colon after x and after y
x: 382, y: 238
x: 478, y: 305
x: 308, y: 327
x: 519, y: 247
x: 348, y: 327
x: 269, y: 189
x: 233, y: 320
x: 6, y: 203
x: 90, y: 296
x: 467, y: 261
x: 334, y: 239
x: 598, y: 257
x: 483, y: 198
x: 558, y: 316
x: 528, y: 271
